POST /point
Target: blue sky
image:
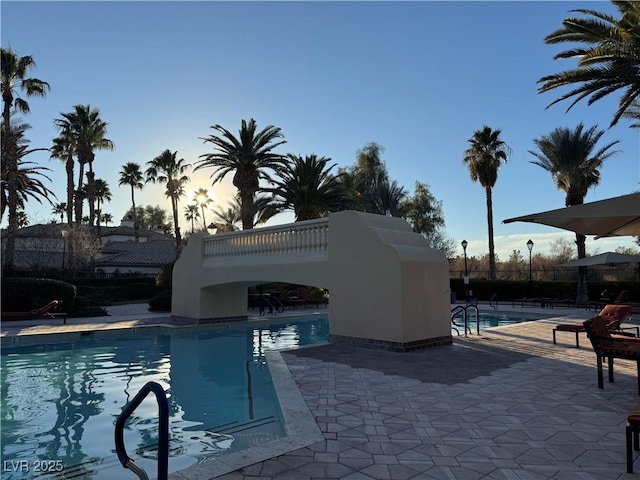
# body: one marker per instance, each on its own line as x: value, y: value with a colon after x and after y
x: 416, y: 77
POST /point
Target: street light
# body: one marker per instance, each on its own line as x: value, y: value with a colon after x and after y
x: 466, y: 272
x: 530, y: 247
x: 464, y: 247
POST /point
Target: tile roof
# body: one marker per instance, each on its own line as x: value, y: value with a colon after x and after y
x: 151, y: 253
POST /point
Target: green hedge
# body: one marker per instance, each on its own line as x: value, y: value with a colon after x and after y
x: 161, y: 302
x: 25, y: 294
x: 507, y: 290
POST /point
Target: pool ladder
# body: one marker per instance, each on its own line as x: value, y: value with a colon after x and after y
x: 465, y: 318
x: 163, y: 434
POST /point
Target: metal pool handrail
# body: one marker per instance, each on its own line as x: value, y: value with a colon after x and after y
x: 463, y: 309
x: 163, y: 434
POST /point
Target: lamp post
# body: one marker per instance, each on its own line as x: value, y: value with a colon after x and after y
x: 530, y: 247
x: 464, y: 244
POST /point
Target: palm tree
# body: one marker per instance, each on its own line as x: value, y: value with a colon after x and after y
x: 307, y: 186
x: 608, y: 58
x: 14, y: 73
x: 633, y: 113
x: 485, y: 155
x: 63, y: 149
x: 132, y: 175
x: 249, y: 157
x: 88, y: 130
x: 574, y: 163
x: 202, y: 198
x: 106, y: 218
x: 227, y: 220
x: 29, y: 175
x: 191, y: 213
x: 167, y: 168
x: 102, y: 193
x: 60, y: 209
x: 13, y: 79
x: 264, y: 207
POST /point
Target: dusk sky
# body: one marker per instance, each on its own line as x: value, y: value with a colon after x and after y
x: 418, y: 78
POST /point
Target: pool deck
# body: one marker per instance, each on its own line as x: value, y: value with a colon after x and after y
x: 507, y: 404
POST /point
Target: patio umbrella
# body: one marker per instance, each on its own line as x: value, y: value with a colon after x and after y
x: 608, y: 258
x: 618, y: 216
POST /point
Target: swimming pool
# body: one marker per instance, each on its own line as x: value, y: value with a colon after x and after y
x: 60, y: 397
x: 492, y: 319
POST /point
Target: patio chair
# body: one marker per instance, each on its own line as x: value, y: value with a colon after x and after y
x: 308, y: 299
x: 613, y: 316
x: 41, y: 312
x: 609, y: 346
x: 525, y: 300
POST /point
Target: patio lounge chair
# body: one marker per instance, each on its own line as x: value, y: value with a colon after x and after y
x: 525, y: 301
x: 609, y: 346
x: 43, y: 312
x: 613, y: 316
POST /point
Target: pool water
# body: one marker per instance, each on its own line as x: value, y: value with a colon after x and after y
x: 489, y: 320
x: 60, y: 400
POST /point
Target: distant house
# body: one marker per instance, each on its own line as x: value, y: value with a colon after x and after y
x: 42, y: 248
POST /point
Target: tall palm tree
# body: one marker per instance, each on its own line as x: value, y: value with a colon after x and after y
x: 170, y: 170
x: 485, y: 155
x: 60, y: 209
x: 13, y: 80
x: 191, y: 213
x: 608, y: 56
x: 63, y: 149
x: 102, y: 194
x: 89, y: 131
x: 248, y: 156
x: 307, y: 186
x: 571, y: 157
x: 202, y: 198
x: 132, y: 175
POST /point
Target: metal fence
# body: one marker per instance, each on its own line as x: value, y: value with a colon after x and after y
x: 594, y: 274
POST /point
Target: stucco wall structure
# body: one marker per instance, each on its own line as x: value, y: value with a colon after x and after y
x: 388, y: 288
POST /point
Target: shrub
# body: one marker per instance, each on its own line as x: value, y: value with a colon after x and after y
x: 24, y: 294
x: 165, y: 276
x: 161, y: 302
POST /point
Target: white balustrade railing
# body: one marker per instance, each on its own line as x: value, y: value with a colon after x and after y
x: 308, y: 239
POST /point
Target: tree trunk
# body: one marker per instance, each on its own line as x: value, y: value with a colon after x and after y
x: 582, y: 296
x: 176, y: 226
x: 135, y: 217
x: 246, y: 209
x: 78, y: 195
x: 91, y: 196
x: 70, y: 188
x: 10, y: 150
x: 492, y: 256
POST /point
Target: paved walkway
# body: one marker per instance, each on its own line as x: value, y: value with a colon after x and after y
x: 504, y: 405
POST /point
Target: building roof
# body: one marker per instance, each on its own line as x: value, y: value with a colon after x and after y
x: 152, y: 253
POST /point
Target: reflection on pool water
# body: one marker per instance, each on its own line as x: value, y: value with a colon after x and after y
x: 60, y: 400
